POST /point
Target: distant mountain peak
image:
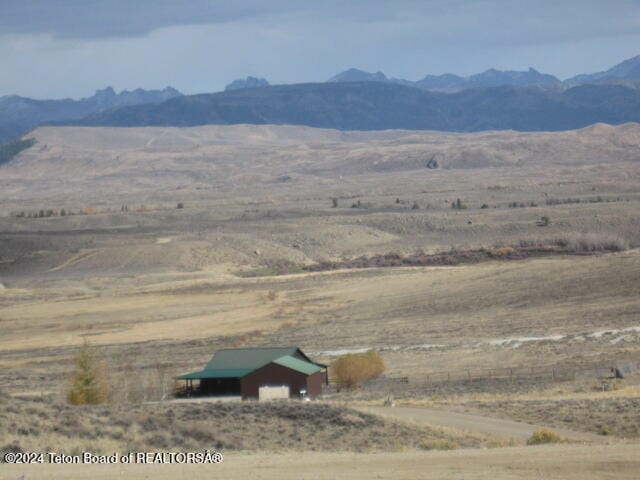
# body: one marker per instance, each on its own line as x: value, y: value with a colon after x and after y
x: 107, y: 92
x: 249, y: 82
x: 356, y: 75
x: 628, y: 69
x: 171, y: 90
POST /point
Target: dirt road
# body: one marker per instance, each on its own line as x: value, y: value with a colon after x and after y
x: 562, y: 462
x: 475, y: 423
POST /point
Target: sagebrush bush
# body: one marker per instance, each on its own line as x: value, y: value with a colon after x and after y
x: 542, y: 436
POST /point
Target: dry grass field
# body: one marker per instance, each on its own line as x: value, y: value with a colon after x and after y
x: 158, y: 288
x: 555, y: 462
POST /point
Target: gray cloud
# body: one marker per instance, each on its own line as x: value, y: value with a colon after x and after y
x: 200, y: 45
x: 480, y: 18
x: 118, y: 18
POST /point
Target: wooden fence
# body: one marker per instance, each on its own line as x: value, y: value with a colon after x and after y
x: 553, y: 373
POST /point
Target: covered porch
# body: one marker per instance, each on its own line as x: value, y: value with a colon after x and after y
x: 214, y: 382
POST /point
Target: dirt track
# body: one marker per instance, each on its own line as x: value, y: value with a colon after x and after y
x: 562, y: 462
x: 475, y: 423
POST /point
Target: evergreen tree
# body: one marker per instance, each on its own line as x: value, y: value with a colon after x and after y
x: 87, y: 385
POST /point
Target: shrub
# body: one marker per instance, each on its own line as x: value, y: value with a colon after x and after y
x: 443, y: 444
x: 352, y: 369
x: 272, y: 295
x: 542, y: 436
x: 88, y: 385
x: 593, y: 243
x: 544, y: 221
x: 458, y: 205
x: 503, y: 251
x: 180, y: 205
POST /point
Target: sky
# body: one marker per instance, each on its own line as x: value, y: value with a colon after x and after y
x: 70, y: 48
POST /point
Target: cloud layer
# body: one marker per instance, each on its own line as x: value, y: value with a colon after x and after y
x: 200, y: 45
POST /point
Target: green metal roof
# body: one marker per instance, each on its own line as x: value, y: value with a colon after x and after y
x: 252, y: 358
x: 297, y: 365
x: 237, y: 362
x: 219, y: 373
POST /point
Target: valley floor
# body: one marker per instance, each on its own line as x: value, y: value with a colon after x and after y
x: 185, y: 241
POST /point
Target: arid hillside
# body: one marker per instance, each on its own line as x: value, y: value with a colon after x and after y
x: 224, y: 162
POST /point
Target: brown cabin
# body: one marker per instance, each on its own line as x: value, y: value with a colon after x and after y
x: 242, y: 371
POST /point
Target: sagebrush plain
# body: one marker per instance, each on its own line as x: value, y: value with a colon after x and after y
x: 175, y: 242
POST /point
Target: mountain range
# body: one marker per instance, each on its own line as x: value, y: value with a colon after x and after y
x: 359, y: 100
x: 449, y: 82
x: 380, y: 106
x: 20, y: 114
x: 625, y: 72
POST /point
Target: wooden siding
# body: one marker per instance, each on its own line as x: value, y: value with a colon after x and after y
x: 274, y: 374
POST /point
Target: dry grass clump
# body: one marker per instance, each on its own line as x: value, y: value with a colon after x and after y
x: 352, y: 369
x: 543, y: 436
x: 272, y: 295
x: 438, y: 444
